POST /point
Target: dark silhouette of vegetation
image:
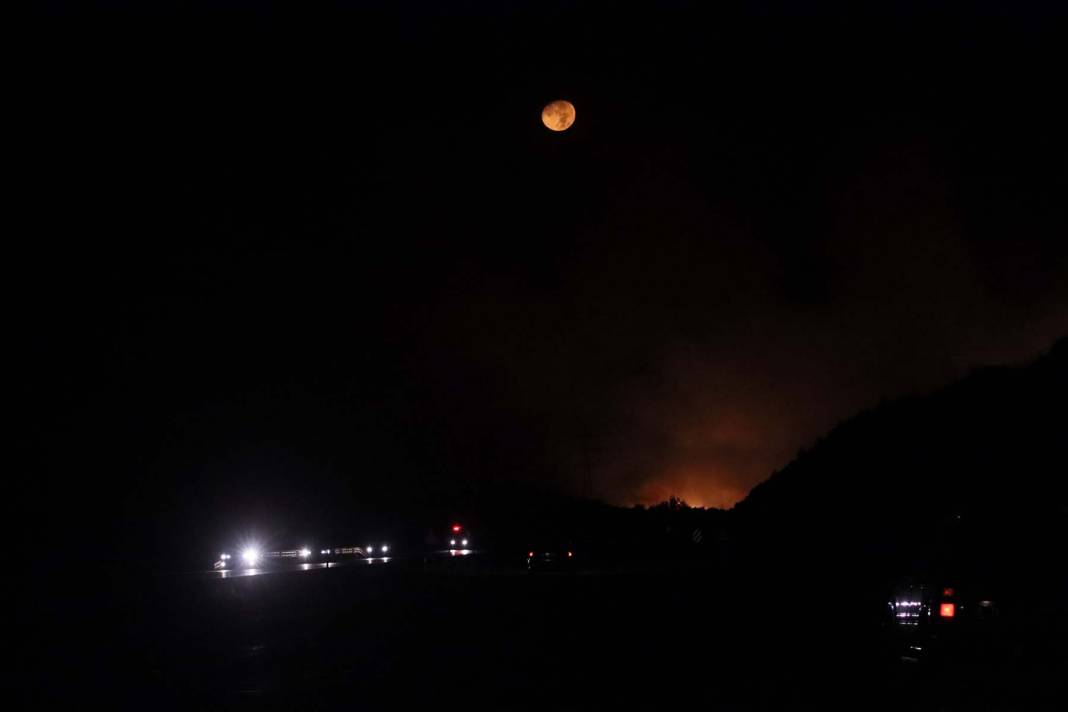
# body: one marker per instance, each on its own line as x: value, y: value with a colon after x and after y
x: 978, y: 466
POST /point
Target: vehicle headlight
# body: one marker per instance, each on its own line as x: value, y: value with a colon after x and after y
x: 370, y: 550
x: 251, y: 555
x: 463, y: 543
x: 452, y: 542
x: 385, y: 548
x: 305, y: 553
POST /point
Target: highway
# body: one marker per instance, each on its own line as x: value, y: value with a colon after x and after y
x: 294, y: 568
x: 388, y: 635
x: 286, y: 566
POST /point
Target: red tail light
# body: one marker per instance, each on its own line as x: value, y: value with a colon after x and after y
x: 530, y: 554
x: 456, y: 527
x: 947, y: 610
x: 947, y: 591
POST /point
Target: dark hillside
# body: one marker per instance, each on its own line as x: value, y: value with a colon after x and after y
x: 974, y: 471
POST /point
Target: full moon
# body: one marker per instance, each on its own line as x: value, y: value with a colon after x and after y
x: 558, y: 116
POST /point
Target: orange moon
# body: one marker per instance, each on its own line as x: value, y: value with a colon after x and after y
x: 558, y: 116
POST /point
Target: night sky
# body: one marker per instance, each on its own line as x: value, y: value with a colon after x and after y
x: 276, y: 259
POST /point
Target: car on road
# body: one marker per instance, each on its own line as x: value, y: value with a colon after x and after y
x: 933, y: 620
x: 460, y: 541
x: 553, y: 557
x: 338, y: 554
x: 380, y: 552
x: 252, y: 557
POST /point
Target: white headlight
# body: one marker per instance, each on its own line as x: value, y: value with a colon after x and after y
x: 452, y: 542
x: 385, y: 548
x: 463, y: 543
x: 251, y: 555
x: 304, y: 553
x: 370, y: 550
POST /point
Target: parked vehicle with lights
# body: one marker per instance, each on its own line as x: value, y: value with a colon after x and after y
x: 553, y: 557
x: 932, y: 620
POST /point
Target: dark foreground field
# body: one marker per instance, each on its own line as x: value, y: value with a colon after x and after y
x: 391, y: 636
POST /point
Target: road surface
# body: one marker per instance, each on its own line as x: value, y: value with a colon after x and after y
x: 392, y: 636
